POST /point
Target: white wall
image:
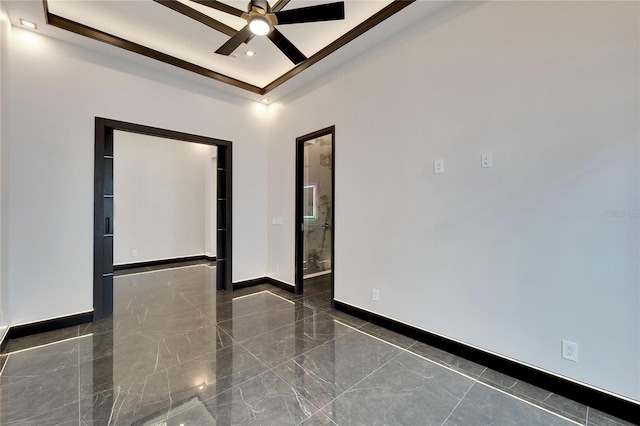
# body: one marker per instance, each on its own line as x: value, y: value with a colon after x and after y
x: 5, y: 33
x: 56, y: 91
x: 161, y: 202
x: 512, y: 259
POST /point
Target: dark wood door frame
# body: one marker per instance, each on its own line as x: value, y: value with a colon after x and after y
x: 299, y: 246
x: 103, y: 207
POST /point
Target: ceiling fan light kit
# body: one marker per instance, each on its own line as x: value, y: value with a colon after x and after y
x: 262, y: 20
x: 260, y: 25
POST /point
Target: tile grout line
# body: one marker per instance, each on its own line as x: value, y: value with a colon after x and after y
x: 196, y: 308
x: 360, y: 381
x: 476, y: 380
x: 248, y: 295
x: 528, y: 403
x: 157, y: 270
x: 272, y: 369
x: 47, y: 344
x: 586, y: 421
x: 261, y: 334
x: 237, y: 385
x: 79, y: 404
x: 459, y: 402
x: 215, y: 322
x: 280, y: 297
x: 5, y: 364
x: 234, y: 340
x: 441, y: 364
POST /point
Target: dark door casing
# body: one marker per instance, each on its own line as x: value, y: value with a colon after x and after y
x: 103, y: 230
x: 299, y: 221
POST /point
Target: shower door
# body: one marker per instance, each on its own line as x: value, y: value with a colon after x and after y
x: 314, y: 206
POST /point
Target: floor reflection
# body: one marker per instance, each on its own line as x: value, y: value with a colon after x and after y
x: 176, y: 352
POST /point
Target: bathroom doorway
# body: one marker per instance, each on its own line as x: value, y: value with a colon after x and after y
x: 315, y: 211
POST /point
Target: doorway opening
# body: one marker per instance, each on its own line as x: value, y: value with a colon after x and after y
x: 104, y: 198
x: 315, y: 211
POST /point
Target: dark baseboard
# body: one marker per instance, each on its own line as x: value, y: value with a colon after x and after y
x: 49, y: 325
x: 262, y: 280
x: 280, y: 284
x: 249, y: 283
x: 160, y: 262
x: 211, y: 258
x: 602, y: 401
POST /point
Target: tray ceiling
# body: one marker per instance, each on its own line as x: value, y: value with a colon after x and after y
x: 156, y: 29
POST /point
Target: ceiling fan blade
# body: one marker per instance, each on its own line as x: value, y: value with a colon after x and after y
x: 232, y: 44
x: 198, y: 16
x: 321, y: 12
x: 286, y: 46
x: 222, y: 7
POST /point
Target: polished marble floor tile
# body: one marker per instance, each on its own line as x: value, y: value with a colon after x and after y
x: 318, y: 419
x: 252, y: 325
x: 324, y: 373
x: 346, y: 318
x: 283, y: 344
x: 318, y: 301
x: 454, y: 362
x: 67, y: 415
x: 483, y: 405
x: 545, y: 399
x: 40, y: 360
x: 41, y: 339
x: 177, y: 352
x: 262, y: 400
x: 407, y: 390
x: 317, y: 284
x: 176, y: 265
x: 33, y: 396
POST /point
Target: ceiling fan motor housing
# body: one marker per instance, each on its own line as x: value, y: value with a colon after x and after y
x: 261, y: 4
x: 261, y: 20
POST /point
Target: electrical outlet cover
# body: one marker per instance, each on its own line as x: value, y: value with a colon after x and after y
x: 570, y: 350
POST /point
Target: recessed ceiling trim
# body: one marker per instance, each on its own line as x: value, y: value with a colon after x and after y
x: 75, y: 27
x: 198, y: 16
x: 357, y: 31
x: 93, y: 33
x: 280, y: 5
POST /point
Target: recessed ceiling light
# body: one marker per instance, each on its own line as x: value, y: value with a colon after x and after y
x: 250, y: 53
x: 264, y: 100
x: 233, y: 56
x: 28, y: 24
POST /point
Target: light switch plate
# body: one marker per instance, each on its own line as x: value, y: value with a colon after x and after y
x: 485, y: 161
x: 438, y: 166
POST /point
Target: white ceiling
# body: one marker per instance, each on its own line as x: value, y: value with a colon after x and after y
x: 155, y: 26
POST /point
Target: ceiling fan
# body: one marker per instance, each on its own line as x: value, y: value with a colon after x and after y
x: 262, y: 19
